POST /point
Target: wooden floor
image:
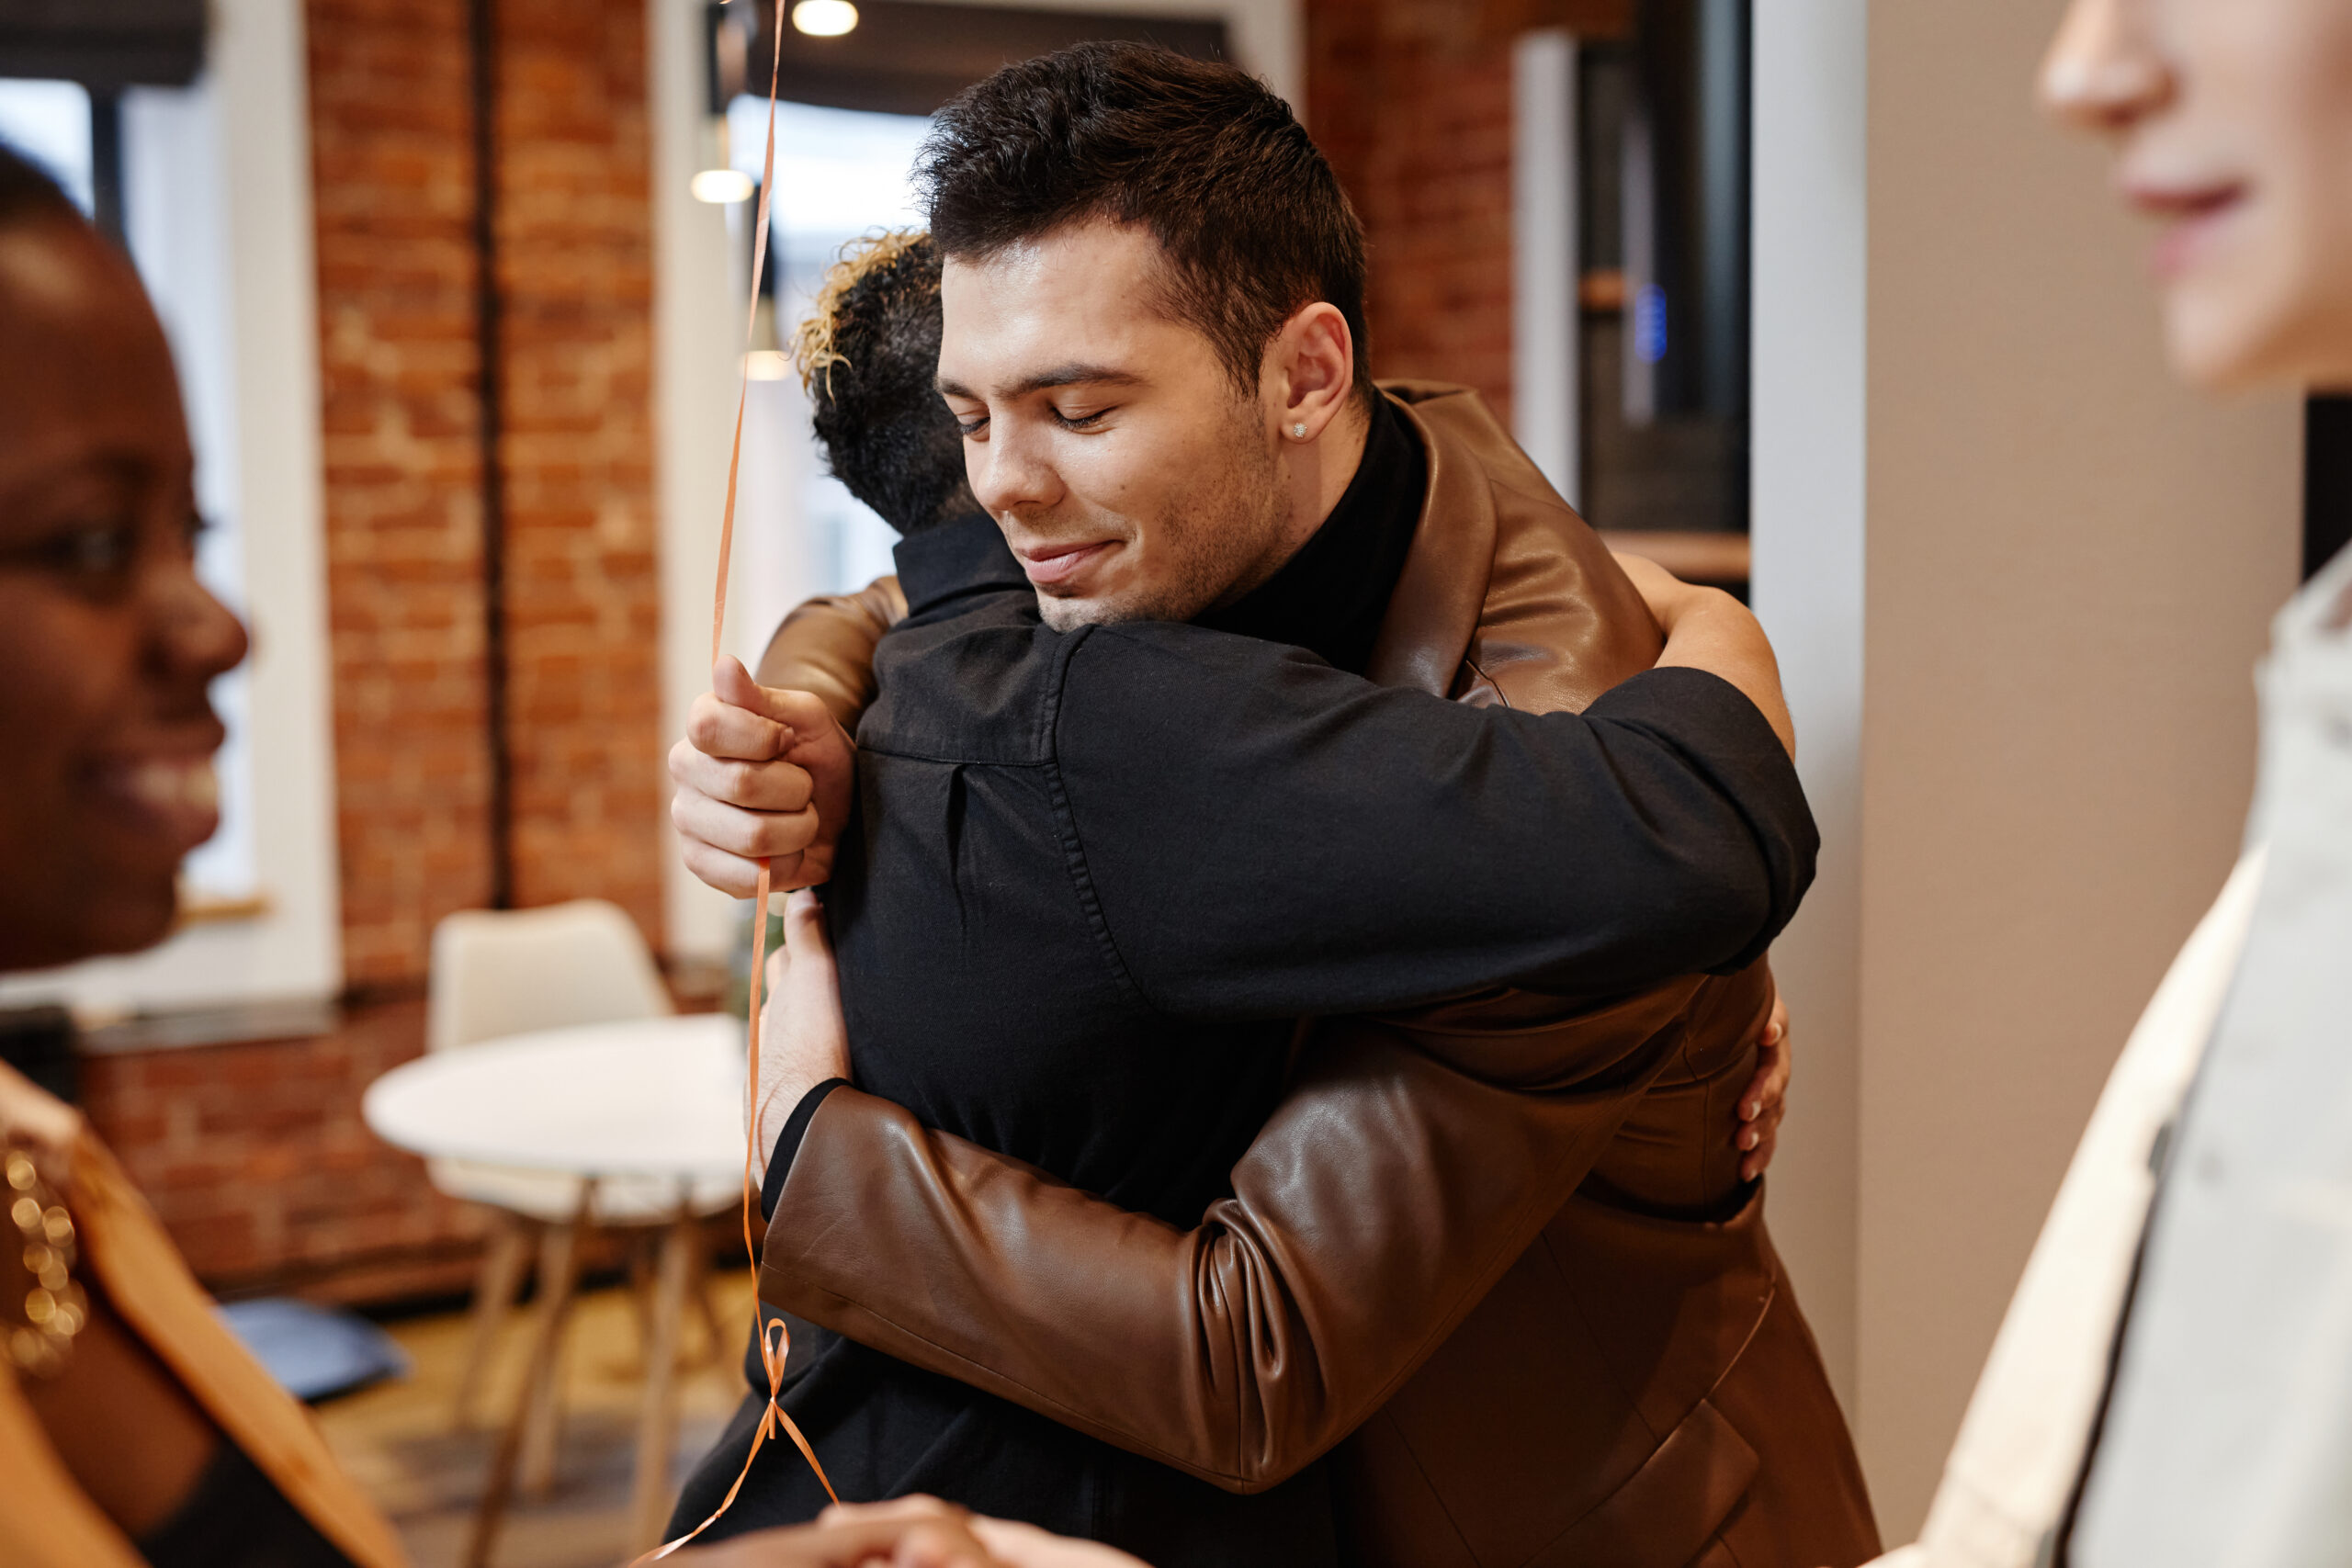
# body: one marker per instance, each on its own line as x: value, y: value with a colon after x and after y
x: 397, y: 1437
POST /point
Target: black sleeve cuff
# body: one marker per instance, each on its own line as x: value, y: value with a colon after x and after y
x: 1711, y: 723
x: 787, y: 1145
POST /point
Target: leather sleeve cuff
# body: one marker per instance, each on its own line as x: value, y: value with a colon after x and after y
x: 787, y: 1145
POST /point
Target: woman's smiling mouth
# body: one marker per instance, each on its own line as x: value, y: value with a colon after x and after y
x: 173, y: 797
x: 2191, y: 216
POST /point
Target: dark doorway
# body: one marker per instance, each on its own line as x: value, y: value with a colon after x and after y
x: 2327, y: 480
x: 1663, y: 179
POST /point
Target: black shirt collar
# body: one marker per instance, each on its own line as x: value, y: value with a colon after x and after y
x: 1332, y: 597
x: 949, y: 560
x: 1329, y: 598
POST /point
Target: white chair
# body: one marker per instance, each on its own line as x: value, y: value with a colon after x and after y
x: 498, y: 972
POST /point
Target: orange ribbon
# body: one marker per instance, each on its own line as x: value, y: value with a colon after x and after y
x: 774, y: 1338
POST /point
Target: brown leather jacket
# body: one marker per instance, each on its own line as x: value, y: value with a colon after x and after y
x: 1497, y: 1252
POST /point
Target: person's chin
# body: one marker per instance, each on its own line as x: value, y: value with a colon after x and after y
x: 1097, y: 598
x: 1067, y: 613
x: 136, y: 921
x: 1098, y: 610
x: 2258, y: 301
x: 2225, y: 333
x: 97, y: 916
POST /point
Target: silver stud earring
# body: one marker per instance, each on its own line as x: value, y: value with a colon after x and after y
x: 1298, y: 432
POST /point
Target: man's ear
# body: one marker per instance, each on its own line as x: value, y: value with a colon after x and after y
x: 1311, y: 371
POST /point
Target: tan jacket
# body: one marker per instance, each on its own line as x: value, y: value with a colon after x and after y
x: 46, y: 1521
x: 1497, y: 1252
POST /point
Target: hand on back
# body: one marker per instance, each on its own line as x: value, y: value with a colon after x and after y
x: 804, y: 1039
x: 763, y: 774
x: 1764, y: 1101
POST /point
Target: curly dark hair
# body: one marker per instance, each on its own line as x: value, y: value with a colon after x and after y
x: 28, y: 191
x: 868, y: 354
x: 1206, y: 157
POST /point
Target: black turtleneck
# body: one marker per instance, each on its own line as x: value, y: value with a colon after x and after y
x: 1329, y: 598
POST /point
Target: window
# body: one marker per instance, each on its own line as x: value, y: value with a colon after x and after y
x: 840, y: 173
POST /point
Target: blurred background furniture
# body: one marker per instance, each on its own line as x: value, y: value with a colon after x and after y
x: 498, y: 972
x: 315, y: 1352
x: 650, y: 1110
x: 567, y: 969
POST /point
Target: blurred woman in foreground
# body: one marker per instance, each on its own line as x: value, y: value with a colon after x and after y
x: 123, y: 1404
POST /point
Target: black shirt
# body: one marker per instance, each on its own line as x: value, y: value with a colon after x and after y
x: 1094, y: 877
x: 235, y: 1517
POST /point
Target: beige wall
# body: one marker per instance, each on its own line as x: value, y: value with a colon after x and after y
x: 1810, y: 441
x: 2071, y: 566
x: 2067, y: 569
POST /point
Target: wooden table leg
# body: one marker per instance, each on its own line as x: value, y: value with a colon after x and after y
x: 641, y: 1250
x: 715, y: 1340
x: 500, y: 1485
x: 504, y: 1256
x: 657, y: 1428
x: 543, y: 1417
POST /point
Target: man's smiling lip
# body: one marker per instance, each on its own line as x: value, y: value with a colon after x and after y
x: 1056, y: 563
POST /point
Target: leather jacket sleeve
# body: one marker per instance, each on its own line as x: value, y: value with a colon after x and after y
x: 826, y: 647
x: 1241, y: 1349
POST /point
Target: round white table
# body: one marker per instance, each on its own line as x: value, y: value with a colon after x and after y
x: 651, y: 1096
x: 656, y: 1100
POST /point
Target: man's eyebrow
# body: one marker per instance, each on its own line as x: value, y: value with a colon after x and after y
x: 1071, y: 375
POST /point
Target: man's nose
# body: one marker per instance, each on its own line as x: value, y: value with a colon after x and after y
x: 2104, y: 69
x: 1012, y: 471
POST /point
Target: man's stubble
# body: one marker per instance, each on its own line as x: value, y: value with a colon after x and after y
x: 1218, y: 536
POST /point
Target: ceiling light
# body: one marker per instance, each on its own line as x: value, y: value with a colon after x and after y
x: 824, y: 18
x: 766, y: 365
x: 720, y: 187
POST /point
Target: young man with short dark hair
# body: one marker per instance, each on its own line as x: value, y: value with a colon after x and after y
x: 1103, y: 859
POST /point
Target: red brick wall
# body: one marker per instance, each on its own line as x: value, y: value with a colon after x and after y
x: 393, y: 155
x: 255, y: 1155
x: 257, y: 1163
x: 1410, y: 100
x: 404, y: 521
x: 576, y: 248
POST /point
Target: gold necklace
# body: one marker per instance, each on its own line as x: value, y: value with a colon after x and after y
x: 54, y: 1309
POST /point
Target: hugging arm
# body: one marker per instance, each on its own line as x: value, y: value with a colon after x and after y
x: 765, y: 770
x: 1242, y: 1347
x: 1708, y: 629
x: 1364, y: 847
x: 826, y: 648
x: 1409, y: 1166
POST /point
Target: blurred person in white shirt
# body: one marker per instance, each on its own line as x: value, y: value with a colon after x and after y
x: 2173, y: 1384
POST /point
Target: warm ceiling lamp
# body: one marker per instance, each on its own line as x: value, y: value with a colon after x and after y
x: 824, y: 18
x: 721, y: 186
x: 766, y: 365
